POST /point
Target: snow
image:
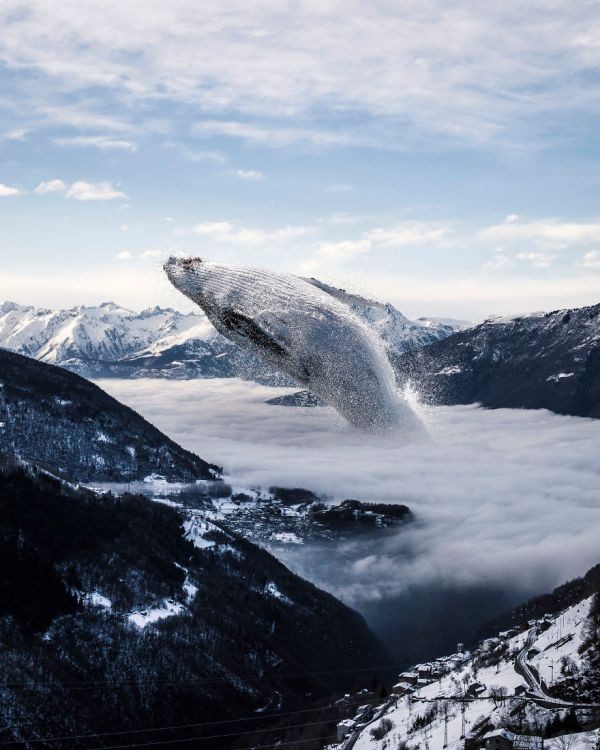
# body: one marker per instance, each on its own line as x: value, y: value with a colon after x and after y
x: 145, y: 617
x: 190, y: 591
x: 195, y: 528
x: 286, y: 537
x: 562, y: 638
x: 95, y: 599
x: 272, y: 590
x: 559, y: 376
x: 577, y: 741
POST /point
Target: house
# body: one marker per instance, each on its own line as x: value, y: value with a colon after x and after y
x: 503, y: 739
x: 411, y: 677
x: 520, y: 689
x: 475, y: 689
x: 344, y: 728
x: 489, y: 644
x: 424, y: 671
x: 402, y: 688
x: 498, y: 739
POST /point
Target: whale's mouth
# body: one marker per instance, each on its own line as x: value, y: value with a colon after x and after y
x: 182, y: 273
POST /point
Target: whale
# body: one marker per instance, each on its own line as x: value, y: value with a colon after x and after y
x: 301, y: 330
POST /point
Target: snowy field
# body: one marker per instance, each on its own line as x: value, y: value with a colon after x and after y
x: 500, y: 496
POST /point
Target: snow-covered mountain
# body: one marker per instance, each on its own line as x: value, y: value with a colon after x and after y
x: 110, y: 340
x: 528, y: 687
x: 543, y: 360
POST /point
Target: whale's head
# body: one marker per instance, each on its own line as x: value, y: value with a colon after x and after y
x: 185, y: 275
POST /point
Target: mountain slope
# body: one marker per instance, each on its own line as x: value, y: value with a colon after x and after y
x: 153, y: 616
x: 57, y: 419
x: 110, y: 341
x: 535, y: 680
x: 549, y: 361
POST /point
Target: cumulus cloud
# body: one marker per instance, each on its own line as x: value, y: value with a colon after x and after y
x: 51, y: 186
x: 409, y: 233
x: 505, y: 498
x: 102, y: 142
x: 546, y: 233
x: 332, y: 252
x: 124, y: 255
x: 7, y: 190
x: 94, y: 191
x: 229, y: 233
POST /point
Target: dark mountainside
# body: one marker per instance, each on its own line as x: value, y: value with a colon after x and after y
x: 244, y: 635
x: 60, y: 420
x: 549, y: 361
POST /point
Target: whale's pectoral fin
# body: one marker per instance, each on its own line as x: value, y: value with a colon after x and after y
x: 242, y: 325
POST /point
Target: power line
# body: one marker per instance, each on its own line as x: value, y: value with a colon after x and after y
x: 190, y: 726
x: 174, y: 741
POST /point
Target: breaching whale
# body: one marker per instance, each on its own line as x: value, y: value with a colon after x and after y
x: 301, y: 330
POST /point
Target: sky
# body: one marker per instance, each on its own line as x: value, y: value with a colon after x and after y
x: 441, y: 157
x: 483, y: 482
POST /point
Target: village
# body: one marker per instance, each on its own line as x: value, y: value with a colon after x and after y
x: 496, y: 696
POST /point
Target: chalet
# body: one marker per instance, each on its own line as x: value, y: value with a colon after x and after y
x: 411, y: 677
x: 503, y: 739
x: 424, y: 671
x: 403, y: 688
x: 489, y: 644
x: 476, y: 689
x: 344, y: 728
x: 498, y: 739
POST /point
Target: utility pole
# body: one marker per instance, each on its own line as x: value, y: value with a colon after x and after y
x: 463, y: 728
x: 446, y: 724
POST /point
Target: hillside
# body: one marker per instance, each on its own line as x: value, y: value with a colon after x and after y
x: 57, y: 419
x: 533, y: 681
x: 542, y: 361
x: 111, y: 341
x: 123, y: 614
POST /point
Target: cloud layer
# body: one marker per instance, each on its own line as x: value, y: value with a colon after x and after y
x: 505, y: 498
x: 468, y: 71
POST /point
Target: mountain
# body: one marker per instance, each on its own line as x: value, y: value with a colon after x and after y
x: 120, y: 616
x: 545, y: 360
x: 536, y: 679
x: 57, y: 419
x: 110, y: 341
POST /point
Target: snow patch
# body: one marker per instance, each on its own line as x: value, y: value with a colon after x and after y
x: 144, y: 617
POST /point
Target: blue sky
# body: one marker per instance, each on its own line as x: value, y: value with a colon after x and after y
x: 443, y: 158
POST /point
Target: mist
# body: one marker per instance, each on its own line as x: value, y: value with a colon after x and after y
x: 505, y: 500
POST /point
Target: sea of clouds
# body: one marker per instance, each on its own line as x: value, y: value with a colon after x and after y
x: 503, y: 498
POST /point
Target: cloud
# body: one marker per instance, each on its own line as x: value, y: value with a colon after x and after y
x: 18, y: 134
x: 539, y: 260
x: 409, y: 234
x: 484, y: 483
x: 94, y: 191
x: 102, y: 142
x: 195, y: 155
x: 498, y: 262
x: 226, y: 232
x: 51, y: 186
x: 546, y: 233
x: 152, y: 254
x: 248, y: 174
x: 279, y: 135
x: 7, y: 190
x: 124, y: 255
x: 591, y: 259
x: 333, y: 252
x: 461, y: 72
